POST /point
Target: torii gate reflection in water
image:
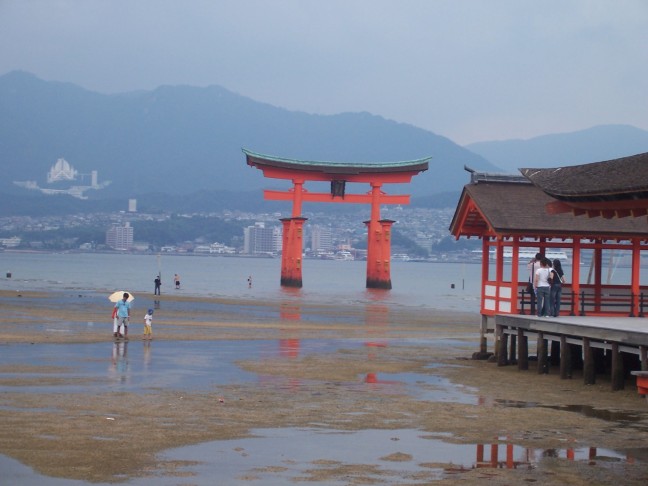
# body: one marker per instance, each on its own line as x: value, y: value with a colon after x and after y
x: 338, y: 174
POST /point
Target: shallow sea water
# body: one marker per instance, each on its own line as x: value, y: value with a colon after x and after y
x: 288, y: 456
x: 272, y: 456
x: 192, y: 366
x: 196, y: 366
x: 416, y: 451
x: 203, y: 365
x: 426, y: 285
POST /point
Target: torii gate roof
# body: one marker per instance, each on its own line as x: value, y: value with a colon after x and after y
x: 278, y: 167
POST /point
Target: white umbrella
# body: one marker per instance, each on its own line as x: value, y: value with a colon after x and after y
x: 119, y: 295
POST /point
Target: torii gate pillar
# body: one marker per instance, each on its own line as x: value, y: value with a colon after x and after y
x: 379, y: 254
x: 378, y: 243
x: 292, y: 249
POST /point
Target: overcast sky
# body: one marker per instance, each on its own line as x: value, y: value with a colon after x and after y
x: 470, y: 70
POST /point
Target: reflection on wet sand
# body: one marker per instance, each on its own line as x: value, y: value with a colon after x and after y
x: 377, y: 324
x: 146, y: 353
x: 370, y: 457
x: 119, y: 368
x: 516, y: 457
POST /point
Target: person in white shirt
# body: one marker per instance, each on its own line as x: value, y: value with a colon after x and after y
x: 542, y: 287
x: 532, y: 266
x: 148, y: 321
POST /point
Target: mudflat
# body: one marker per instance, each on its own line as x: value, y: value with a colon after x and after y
x: 65, y: 425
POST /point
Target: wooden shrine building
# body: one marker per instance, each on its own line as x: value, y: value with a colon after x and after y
x: 338, y: 175
x: 589, y: 212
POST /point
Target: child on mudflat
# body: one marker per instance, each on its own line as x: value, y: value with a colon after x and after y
x: 148, y: 320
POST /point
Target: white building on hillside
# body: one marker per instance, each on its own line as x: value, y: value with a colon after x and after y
x: 61, y: 171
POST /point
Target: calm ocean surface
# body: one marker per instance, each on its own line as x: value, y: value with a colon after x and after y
x: 415, y: 284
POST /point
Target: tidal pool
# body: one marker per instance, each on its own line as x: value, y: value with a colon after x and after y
x: 293, y: 456
x: 277, y: 455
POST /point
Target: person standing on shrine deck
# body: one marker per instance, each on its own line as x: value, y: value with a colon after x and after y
x: 557, y: 281
x: 532, y: 266
x: 542, y: 287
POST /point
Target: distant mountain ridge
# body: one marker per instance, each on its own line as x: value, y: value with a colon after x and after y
x: 181, y: 139
x: 603, y: 142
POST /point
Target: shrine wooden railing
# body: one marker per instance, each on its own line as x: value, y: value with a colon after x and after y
x: 610, y: 300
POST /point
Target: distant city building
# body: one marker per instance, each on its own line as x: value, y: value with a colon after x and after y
x: 221, y: 249
x: 424, y: 241
x: 321, y: 238
x: 12, y: 242
x: 120, y: 237
x: 259, y: 239
x: 215, y: 248
x: 132, y: 205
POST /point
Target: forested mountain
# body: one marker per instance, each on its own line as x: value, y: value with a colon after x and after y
x: 182, y: 139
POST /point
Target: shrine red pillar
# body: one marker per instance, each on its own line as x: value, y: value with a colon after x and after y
x: 635, y: 282
x: 373, y: 237
x: 385, y: 252
x: 598, y: 272
x: 291, y: 252
x: 575, y: 278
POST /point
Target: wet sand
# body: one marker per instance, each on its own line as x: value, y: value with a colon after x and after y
x: 121, y: 436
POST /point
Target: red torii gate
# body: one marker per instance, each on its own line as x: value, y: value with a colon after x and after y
x: 338, y: 174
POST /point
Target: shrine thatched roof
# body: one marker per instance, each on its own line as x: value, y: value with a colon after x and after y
x: 620, y: 179
x: 515, y: 207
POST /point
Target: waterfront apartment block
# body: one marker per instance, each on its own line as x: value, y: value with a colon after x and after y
x: 258, y: 239
x: 120, y: 237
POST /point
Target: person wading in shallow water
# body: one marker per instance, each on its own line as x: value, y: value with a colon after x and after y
x: 123, y: 315
x: 158, y: 284
x: 176, y: 279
